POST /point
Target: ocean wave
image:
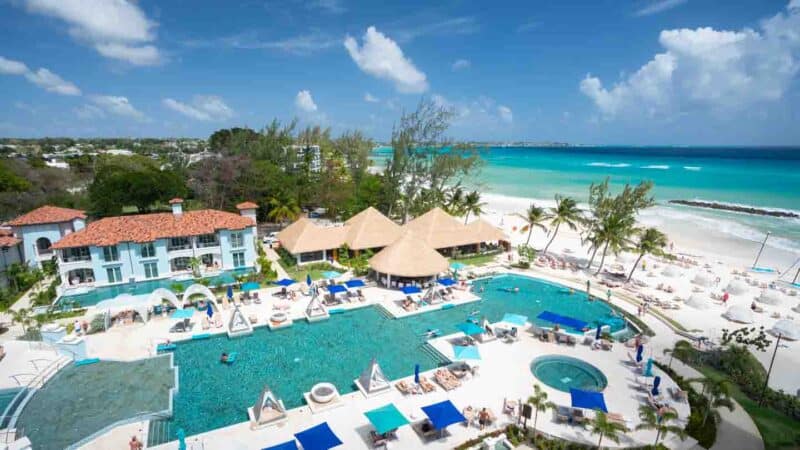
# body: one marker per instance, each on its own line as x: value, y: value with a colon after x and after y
x: 605, y: 164
x: 692, y: 168
x: 656, y: 166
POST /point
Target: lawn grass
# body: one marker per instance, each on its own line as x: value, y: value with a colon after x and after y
x: 299, y: 273
x: 477, y: 260
x: 778, y: 431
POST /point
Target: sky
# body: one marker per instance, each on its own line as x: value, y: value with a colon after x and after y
x: 634, y: 72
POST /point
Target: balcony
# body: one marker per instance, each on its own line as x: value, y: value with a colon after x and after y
x: 207, y: 244
x: 175, y: 248
x: 75, y: 258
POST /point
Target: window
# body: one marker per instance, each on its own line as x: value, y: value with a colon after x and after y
x: 179, y: 264
x: 238, y: 259
x: 76, y: 254
x: 179, y: 243
x: 114, y: 274
x: 237, y: 240
x: 110, y: 254
x: 151, y: 270
x: 207, y: 240
x: 147, y: 250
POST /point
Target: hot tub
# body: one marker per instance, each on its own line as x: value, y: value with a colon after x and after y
x: 565, y: 372
x: 323, y: 392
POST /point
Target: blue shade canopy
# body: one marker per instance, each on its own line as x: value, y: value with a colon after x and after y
x: 443, y: 414
x: 331, y: 274
x: 250, y: 286
x: 411, y: 290
x: 457, y: 265
x: 209, y: 310
x: 288, y: 445
x: 319, y: 437
x: 466, y: 352
x: 588, y: 399
x: 183, y: 314
x: 230, y: 292
x: 285, y: 282
x: 386, y: 418
x: 354, y: 283
x: 515, y: 319
x: 656, y: 384
x: 446, y: 281
x: 469, y: 328
x: 562, y: 320
x: 336, y: 289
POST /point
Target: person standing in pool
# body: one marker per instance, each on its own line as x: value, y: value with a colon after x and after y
x: 588, y: 287
x: 608, y: 294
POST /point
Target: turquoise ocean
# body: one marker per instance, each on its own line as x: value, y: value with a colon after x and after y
x: 767, y: 178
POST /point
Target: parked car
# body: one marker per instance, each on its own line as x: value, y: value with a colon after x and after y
x: 271, y: 238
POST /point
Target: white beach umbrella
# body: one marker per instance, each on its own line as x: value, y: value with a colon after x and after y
x: 789, y: 329
x: 739, y: 313
x: 704, y: 279
x: 698, y: 302
x: 796, y: 308
x: 671, y: 271
x: 737, y: 287
x: 771, y: 297
x: 625, y: 258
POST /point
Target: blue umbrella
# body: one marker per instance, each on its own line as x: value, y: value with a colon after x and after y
x: 469, y: 328
x: 411, y: 290
x: 446, y: 281
x: 230, y: 292
x: 285, y: 282
x: 209, y: 310
x: 416, y: 373
x: 598, y: 333
x: 308, y: 279
x: 354, y: 283
x: 466, y: 352
x: 656, y: 383
x: 336, y: 289
x: 639, y: 351
x: 181, y: 439
x: 648, y: 368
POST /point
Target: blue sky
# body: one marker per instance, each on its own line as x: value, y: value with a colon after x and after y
x: 600, y: 71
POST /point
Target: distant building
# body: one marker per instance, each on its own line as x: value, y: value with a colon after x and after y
x: 10, y: 252
x: 306, y: 154
x: 41, y: 228
x: 118, y: 152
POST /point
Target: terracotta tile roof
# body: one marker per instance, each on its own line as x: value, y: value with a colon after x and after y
x: 47, y: 214
x: 246, y: 205
x: 7, y: 238
x: 176, y: 200
x: 149, y: 227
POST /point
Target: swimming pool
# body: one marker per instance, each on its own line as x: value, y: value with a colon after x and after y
x: 564, y: 373
x: 291, y: 360
x: 99, y: 294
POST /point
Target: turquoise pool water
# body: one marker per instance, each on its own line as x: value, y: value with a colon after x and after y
x: 96, y: 296
x: 564, y: 373
x: 291, y: 360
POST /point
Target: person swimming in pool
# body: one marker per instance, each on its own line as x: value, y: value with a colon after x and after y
x: 223, y: 358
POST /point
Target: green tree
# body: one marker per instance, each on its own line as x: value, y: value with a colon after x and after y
x: 605, y: 428
x: 473, y: 205
x: 651, y: 242
x: 566, y: 212
x: 539, y: 403
x: 533, y: 217
x: 661, y: 421
x: 23, y: 317
x: 283, y: 210
x: 194, y: 264
x: 682, y: 350
x: 455, y: 201
x: 718, y: 393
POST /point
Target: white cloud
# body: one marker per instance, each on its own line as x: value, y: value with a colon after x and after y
x: 42, y: 77
x: 446, y: 27
x: 329, y: 6
x: 304, y: 102
x: 302, y: 44
x: 119, y: 106
x: 117, y: 29
x: 11, y: 67
x: 88, y: 112
x: 505, y: 113
x: 202, y: 107
x: 719, y: 70
x: 658, y: 6
x: 382, y: 58
x: 461, y: 64
x: 369, y: 98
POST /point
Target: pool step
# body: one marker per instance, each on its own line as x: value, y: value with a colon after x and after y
x: 382, y: 309
x: 159, y: 431
x: 428, y: 349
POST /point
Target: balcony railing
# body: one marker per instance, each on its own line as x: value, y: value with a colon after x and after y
x: 172, y: 248
x: 70, y: 259
x: 207, y: 244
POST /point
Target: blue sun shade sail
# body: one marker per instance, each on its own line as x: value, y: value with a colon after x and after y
x: 354, y: 283
x: 466, y: 352
x: 288, y: 445
x: 446, y: 281
x: 515, y: 319
x: 443, y: 414
x: 336, y: 289
x: 285, y: 282
x: 469, y: 328
x: 588, y: 400
x: 386, y: 418
x: 328, y: 274
x: 250, y: 286
x: 457, y: 265
x: 319, y: 437
x: 183, y: 314
x: 562, y: 320
x: 411, y: 290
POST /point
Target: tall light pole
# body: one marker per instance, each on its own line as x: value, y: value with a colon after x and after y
x: 769, y: 371
x: 761, y: 250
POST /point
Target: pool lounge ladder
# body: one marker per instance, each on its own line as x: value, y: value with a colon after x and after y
x: 159, y: 431
x: 429, y: 350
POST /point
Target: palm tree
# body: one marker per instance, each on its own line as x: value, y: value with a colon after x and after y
x: 539, y: 402
x: 194, y: 264
x: 283, y: 211
x: 651, y: 241
x: 473, y: 204
x: 682, y: 350
x: 455, y: 201
x: 718, y: 392
x: 566, y: 212
x: 21, y: 316
x: 606, y: 428
x: 534, y: 217
x: 660, y: 421
x: 614, y: 234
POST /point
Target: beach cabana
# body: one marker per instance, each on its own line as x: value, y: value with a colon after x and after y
x: 771, y: 297
x: 386, y: 418
x: 285, y: 282
x: 354, y: 283
x: 698, y: 301
x: 239, y: 325
x: 737, y: 287
x: 465, y: 352
x: 788, y: 329
x: 408, y: 259
x: 739, y: 314
x: 563, y: 320
x: 704, y: 279
x: 443, y: 414
x: 515, y: 319
x: 319, y: 437
x: 127, y: 302
x: 316, y: 311
x: 588, y: 399
x: 268, y: 410
x: 372, y: 381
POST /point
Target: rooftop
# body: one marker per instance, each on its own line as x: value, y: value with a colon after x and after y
x: 246, y: 205
x: 47, y: 214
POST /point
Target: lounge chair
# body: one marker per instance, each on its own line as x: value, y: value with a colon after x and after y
x: 632, y: 360
x: 407, y: 388
x: 606, y: 345
x: 562, y: 414
x: 617, y: 418
x: 378, y: 440
x: 510, y: 407
x: 577, y: 417
x: 426, y: 385
x: 446, y: 379
x: 677, y: 394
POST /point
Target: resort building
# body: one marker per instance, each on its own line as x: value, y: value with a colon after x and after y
x: 306, y: 154
x: 124, y: 249
x: 10, y: 253
x: 41, y: 228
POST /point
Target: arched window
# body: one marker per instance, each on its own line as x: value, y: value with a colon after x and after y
x: 43, y: 245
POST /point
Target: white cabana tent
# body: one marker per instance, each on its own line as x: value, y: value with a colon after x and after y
x: 316, y: 311
x: 199, y: 289
x: 671, y: 271
x: 737, y: 287
x: 740, y: 314
x: 788, y: 329
x: 268, y: 410
x: 698, y: 302
x: 372, y: 381
x: 127, y: 302
x: 771, y: 297
x: 705, y: 279
x: 239, y: 325
x: 162, y: 294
